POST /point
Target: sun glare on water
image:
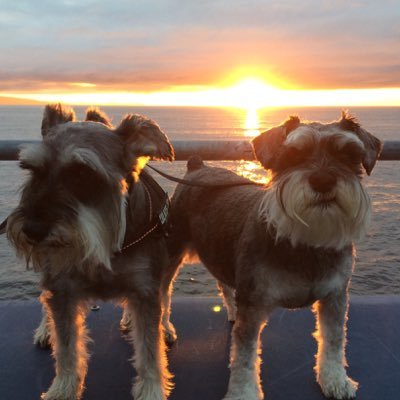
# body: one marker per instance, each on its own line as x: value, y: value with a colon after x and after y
x: 251, y: 94
x: 253, y: 171
x: 251, y: 123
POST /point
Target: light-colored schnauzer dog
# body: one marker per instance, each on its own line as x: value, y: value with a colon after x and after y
x: 287, y: 244
x: 86, y: 220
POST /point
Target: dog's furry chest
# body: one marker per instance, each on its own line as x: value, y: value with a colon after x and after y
x: 292, y: 277
x: 129, y: 275
x: 297, y: 290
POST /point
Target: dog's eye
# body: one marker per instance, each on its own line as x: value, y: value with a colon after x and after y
x: 292, y: 156
x: 83, y: 182
x: 350, y: 154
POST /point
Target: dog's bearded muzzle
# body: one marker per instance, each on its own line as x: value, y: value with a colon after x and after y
x: 80, y: 242
x: 324, y: 214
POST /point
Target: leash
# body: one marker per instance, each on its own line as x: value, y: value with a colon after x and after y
x: 203, y: 184
x: 162, y: 216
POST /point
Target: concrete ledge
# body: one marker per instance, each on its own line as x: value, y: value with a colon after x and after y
x: 199, y: 359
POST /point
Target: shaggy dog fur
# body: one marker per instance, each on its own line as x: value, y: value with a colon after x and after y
x: 82, y: 205
x: 287, y: 244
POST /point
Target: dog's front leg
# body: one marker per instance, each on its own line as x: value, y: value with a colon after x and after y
x: 150, y: 361
x: 166, y: 290
x: 244, y: 381
x: 331, y: 314
x: 68, y: 336
x: 41, y: 337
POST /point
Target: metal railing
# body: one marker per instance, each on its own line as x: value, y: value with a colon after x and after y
x: 207, y: 149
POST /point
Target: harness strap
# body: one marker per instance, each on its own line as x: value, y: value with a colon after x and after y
x: 158, y: 213
x: 139, y: 239
x: 160, y: 199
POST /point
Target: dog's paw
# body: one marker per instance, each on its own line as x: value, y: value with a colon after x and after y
x: 51, y: 396
x: 231, y: 311
x: 67, y: 388
x: 242, y: 397
x: 344, y: 390
x: 339, y: 387
x: 245, y: 392
x: 41, y: 338
x: 170, y: 335
x: 146, y: 389
x: 55, y: 395
x: 126, y: 323
x: 125, y: 327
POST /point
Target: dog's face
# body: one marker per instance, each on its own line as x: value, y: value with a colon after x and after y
x: 72, y: 207
x: 316, y: 196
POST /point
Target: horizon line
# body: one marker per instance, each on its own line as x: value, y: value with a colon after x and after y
x: 235, y: 97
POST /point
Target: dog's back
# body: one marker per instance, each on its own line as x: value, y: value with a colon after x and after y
x: 224, y: 198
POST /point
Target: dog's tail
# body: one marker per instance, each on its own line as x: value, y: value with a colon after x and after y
x: 194, y: 162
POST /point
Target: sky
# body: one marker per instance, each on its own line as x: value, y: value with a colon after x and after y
x: 201, y: 52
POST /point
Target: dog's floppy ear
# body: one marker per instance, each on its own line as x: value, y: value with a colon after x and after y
x: 96, y: 115
x: 55, y: 114
x: 373, y: 146
x: 267, y: 144
x: 145, y: 138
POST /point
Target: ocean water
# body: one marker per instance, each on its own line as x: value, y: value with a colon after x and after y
x: 378, y: 255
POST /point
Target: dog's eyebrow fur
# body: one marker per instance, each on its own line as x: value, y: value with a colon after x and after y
x: 343, y: 138
x: 307, y: 135
x: 86, y: 157
x: 33, y: 155
x: 303, y: 136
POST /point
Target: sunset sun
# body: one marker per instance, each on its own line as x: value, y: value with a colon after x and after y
x: 240, y: 90
x: 251, y: 93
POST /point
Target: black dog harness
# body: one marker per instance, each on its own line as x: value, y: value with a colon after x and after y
x: 158, y: 210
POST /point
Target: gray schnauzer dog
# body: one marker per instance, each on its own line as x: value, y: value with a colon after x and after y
x: 287, y: 244
x: 85, y: 222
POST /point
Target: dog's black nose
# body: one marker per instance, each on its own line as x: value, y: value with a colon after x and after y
x: 35, y: 230
x: 322, y: 181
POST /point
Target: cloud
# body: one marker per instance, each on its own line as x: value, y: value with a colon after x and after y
x: 148, y: 44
